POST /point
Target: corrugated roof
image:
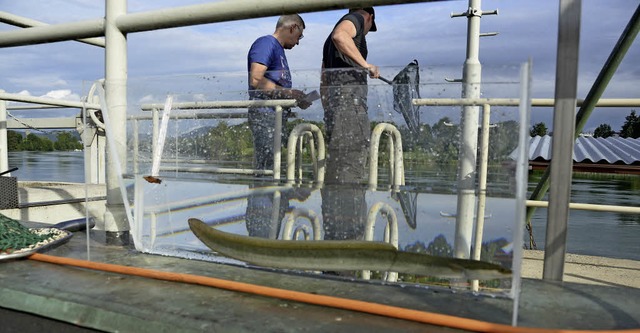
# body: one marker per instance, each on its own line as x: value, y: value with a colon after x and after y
x: 611, y: 150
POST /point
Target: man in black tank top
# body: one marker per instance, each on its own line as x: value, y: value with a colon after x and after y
x: 344, y: 98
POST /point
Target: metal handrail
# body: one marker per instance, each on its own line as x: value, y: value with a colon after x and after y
x: 538, y: 102
x: 390, y: 232
x: 396, y: 163
x: 288, y: 231
x: 294, y: 148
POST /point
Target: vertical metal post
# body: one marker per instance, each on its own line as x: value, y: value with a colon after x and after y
x: 563, y: 138
x: 471, y: 77
x: 4, y: 146
x: 277, y: 143
x: 115, y: 222
x: 482, y: 188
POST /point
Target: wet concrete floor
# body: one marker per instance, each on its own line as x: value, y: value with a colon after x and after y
x: 39, y: 296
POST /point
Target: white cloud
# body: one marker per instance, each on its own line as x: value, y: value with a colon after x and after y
x: 64, y: 94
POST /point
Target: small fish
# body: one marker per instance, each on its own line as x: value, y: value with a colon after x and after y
x: 334, y: 255
x: 152, y: 179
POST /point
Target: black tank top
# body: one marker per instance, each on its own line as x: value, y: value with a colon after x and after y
x: 332, y: 57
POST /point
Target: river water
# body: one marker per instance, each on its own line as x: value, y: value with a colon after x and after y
x: 592, y: 233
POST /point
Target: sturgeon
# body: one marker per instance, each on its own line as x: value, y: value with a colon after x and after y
x: 341, y: 255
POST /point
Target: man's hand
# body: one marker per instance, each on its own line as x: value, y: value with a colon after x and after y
x: 299, y: 96
x: 374, y: 71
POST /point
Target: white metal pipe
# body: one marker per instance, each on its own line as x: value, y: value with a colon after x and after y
x: 200, y: 115
x: 47, y: 101
x: 391, y: 232
x: 115, y: 83
x: 297, y: 134
x: 471, y: 78
x: 34, y: 107
x: 277, y: 144
x: 285, y: 103
x: 213, y: 12
x: 590, y: 207
x: 4, y: 148
x: 24, y: 22
x: 482, y: 188
x: 43, y: 123
x: 217, y: 170
x: 396, y: 163
x: 538, y: 102
x: 310, y: 215
x: 53, y: 33
x: 311, y: 142
x: 232, y: 10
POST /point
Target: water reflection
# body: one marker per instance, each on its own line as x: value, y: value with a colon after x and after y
x: 265, y: 211
x: 57, y: 166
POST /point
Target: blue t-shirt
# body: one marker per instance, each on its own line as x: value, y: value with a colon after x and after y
x: 267, y: 50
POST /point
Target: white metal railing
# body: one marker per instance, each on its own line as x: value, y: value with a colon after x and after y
x: 390, y: 233
x: 291, y: 233
x: 294, y: 149
x: 396, y: 164
x: 548, y: 102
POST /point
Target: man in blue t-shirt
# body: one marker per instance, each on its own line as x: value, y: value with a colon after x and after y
x: 270, y: 78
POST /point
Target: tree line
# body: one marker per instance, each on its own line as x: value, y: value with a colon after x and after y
x: 33, y: 142
x: 437, y: 143
x: 630, y: 128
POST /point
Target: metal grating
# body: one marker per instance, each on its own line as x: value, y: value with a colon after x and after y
x: 8, y: 192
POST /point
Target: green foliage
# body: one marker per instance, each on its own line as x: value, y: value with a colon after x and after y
x: 36, y: 143
x: 603, y: 131
x: 631, y: 126
x: 228, y: 143
x: 444, y: 144
x: 33, y: 142
x: 503, y: 140
x: 14, y: 140
x: 539, y: 129
x: 66, y: 141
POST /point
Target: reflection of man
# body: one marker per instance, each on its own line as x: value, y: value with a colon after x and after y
x: 344, y: 98
x: 270, y: 78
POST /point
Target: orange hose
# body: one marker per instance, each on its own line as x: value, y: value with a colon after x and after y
x: 328, y: 301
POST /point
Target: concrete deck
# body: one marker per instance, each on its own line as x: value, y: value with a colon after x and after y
x: 38, y: 297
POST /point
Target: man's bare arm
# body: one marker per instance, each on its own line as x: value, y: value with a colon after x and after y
x: 342, y: 37
x: 259, y: 82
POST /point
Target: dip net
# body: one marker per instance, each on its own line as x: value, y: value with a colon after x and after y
x: 14, y: 236
x: 406, y: 86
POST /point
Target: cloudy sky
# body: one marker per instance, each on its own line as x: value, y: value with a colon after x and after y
x: 426, y: 32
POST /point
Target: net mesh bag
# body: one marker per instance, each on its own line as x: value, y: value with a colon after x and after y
x: 15, y: 237
x: 406, y: 86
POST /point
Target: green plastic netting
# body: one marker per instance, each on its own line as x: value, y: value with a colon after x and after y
x: 14, y: 236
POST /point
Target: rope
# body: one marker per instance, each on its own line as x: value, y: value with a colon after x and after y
x: 315, y: 299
